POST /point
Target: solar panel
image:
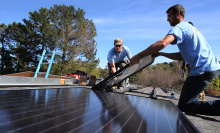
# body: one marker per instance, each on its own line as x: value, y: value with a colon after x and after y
x: 123, y: 73
x: 86, y: 110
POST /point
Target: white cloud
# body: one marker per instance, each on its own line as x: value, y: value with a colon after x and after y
x: 110, y: 21
x: 97, y: 21
x: 132, y: 19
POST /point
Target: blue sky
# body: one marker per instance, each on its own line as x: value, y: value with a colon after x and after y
x: 139, y: 23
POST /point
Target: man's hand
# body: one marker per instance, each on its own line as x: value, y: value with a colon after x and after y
x: 184, y: 66
x: 113, y: 69
x: 156, y: 54
x: 134, y: 60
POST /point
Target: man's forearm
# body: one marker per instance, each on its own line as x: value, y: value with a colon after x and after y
x: 152, y: 49
x: 157, y: 46
x: 113, y: 69
x: 112, y: 66
x: 173, y: 56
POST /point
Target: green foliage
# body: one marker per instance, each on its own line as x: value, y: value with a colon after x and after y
x: 97, y: 72
x: 83, y: 69
x: 171, y: 64
x: 134, y: 78
x: 216, y: 82
x: 24, y: 46
x: 214, y: 87
x: 164, y: 65
x: 6, y: 59
x: 104, y: 73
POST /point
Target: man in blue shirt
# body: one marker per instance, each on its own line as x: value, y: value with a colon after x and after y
x: 197, y: 52
x: 186, y: 65
x: 117, y: 58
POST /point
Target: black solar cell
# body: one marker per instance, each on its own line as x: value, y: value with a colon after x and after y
x: 86, y: 110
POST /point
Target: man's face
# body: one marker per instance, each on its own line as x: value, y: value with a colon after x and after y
x: 172, y: 18
x: 118, y: 48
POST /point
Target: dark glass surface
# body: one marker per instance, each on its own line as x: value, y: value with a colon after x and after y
x: 85, y: 110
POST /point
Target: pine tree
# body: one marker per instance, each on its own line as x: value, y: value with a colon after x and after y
x: 45, y: 30
x: 6, y: 58
x: 25, y: 46
x: 75, y: 35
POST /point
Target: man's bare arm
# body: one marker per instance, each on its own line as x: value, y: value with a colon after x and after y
x: 173, y: 56
x: 154, y: 48
x: 113, y: 69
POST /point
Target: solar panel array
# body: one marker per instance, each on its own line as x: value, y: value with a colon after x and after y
x: 86, y: 110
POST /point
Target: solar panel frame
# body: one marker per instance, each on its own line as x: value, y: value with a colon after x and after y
x: 123, y: 73
x: 186, y: 119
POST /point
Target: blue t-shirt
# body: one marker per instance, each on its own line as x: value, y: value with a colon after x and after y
x: 194, y: 49
x: 115, y: 57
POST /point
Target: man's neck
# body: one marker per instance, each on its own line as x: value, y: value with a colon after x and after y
x: 181, y: 20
